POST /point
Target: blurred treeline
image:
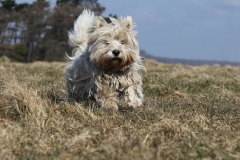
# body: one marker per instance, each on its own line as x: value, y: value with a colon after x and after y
x: 37, y: 31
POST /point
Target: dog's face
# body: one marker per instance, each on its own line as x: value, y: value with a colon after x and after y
x: 113, y: 46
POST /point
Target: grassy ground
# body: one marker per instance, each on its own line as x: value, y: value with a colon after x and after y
x: 189, y: 113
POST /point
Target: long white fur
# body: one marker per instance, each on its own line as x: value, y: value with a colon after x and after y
x: 87, y: 80
x: 78, y: 37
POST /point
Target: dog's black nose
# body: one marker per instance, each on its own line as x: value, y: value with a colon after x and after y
x: 116, y: 52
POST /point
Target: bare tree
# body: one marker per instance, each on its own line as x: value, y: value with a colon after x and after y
x: 35, y: 26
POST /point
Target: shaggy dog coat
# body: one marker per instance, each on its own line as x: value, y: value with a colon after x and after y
x: 105, y: 61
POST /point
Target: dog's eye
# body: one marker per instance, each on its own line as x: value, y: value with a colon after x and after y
x: 107, y: 43
x: 122, y: 42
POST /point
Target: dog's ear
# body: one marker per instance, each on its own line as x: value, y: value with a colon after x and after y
x: 100, y: 22
x: 128, y: 23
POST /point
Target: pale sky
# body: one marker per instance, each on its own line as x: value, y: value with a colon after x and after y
x: 190, y: 29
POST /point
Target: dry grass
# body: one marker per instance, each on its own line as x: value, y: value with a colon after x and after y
x: 189, y: 113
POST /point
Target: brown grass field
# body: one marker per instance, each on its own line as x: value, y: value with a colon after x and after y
x: 188, y: 113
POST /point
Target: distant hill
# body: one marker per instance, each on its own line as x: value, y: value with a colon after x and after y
x: 190, y: 62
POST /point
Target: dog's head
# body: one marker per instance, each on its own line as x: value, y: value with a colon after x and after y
x: 113, y: 45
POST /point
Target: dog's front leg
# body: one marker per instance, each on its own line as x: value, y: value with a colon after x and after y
x: 134, y: 96
x: 107, y: 97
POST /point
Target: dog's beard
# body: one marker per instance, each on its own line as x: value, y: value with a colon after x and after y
x: 104, y: 59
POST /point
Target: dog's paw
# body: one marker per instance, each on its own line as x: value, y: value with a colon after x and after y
x: 110, y: 105
x: 136, y: 102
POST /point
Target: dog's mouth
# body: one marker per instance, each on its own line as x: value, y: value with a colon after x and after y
x: 116, y: 59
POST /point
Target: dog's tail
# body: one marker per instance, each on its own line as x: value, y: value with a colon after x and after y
x: 78, y: 36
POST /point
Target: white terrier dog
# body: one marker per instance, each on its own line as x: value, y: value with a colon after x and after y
x: 105, y: 61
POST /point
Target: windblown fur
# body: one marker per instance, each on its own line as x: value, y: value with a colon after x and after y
x: 105, y: 61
